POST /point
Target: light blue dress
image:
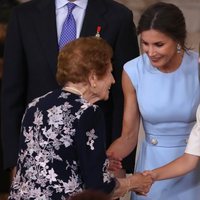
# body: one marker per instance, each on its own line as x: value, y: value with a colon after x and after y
x: 167, y: 103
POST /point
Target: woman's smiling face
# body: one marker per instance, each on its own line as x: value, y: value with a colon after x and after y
x: 160, y: 48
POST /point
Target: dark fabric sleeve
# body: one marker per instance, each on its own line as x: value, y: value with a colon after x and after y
x: 13, y: 91
x: 126, y: 48
x: 90, y: 146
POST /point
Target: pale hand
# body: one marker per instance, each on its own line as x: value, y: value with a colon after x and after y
x: 140, y: 183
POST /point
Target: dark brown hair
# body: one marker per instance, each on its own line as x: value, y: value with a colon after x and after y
x: 166, y: 18
x: 82, y: 56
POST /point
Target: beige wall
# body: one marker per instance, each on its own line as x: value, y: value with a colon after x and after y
x: 190, y: 8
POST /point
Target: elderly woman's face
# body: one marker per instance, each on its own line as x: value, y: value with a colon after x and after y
x: 103, y: 85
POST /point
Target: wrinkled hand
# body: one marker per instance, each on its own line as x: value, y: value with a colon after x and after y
x: 140, y: 183
x: 114, y: 163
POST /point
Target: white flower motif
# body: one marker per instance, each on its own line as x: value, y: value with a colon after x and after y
x: 50, y: 133
x: 67, y: 140
x: 85, y: 105
x: 38, y: 117
x: 66, y: 106
x: 31, y: 172
x: 36, y: 192
x: 51, y: 176
x: 106, y: 174
x: 23, y: 189
x: 72, y: 184
x: 31, y: 147
x: 95, y: 107
x: 28, y: 134
x: 91, y: 138
x: 41, y: 160
x: 55, y: 115
x: 64, y: 95
x: 83, y: 108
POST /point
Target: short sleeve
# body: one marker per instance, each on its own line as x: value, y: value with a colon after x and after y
x: 193, y: 146
x: 132, y: 69
x: 91, y: 151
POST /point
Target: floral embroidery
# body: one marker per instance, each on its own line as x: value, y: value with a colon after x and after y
x: 46, y: 143
x: 91, y: 138
x: 55, y: 115
x: 106, y: 174
x: 38, y: 117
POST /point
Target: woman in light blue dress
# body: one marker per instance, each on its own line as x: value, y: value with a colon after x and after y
x: 187, y: 162
x: 162, y: 87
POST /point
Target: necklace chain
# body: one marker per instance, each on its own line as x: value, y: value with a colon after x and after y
x: 73, y: 90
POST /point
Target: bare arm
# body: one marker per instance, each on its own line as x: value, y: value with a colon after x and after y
x: 121, y: 147
x: 178, y: 167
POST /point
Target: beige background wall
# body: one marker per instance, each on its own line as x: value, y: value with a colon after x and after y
x: 190, y: 8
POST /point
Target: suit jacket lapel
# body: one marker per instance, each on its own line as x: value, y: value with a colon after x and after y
x: 45, y: 23
x: 94, y: 17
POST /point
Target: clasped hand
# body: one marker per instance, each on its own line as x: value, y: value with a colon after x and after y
x: 138, y: 182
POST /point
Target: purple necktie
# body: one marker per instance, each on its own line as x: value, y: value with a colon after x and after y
x: 68, y: 32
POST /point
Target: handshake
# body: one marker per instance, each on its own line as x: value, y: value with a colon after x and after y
x: 139, y: 183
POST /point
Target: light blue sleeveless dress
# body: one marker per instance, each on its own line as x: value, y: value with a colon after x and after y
x: 167, y: 103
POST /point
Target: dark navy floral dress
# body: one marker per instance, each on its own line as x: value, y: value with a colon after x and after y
x: 62, y: 149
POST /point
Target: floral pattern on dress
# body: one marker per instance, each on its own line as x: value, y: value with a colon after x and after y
x: 107, y: 175
x: 91, y: 137
x: 44, y: 169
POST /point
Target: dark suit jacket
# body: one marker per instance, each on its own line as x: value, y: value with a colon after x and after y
x: 31, y: 55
